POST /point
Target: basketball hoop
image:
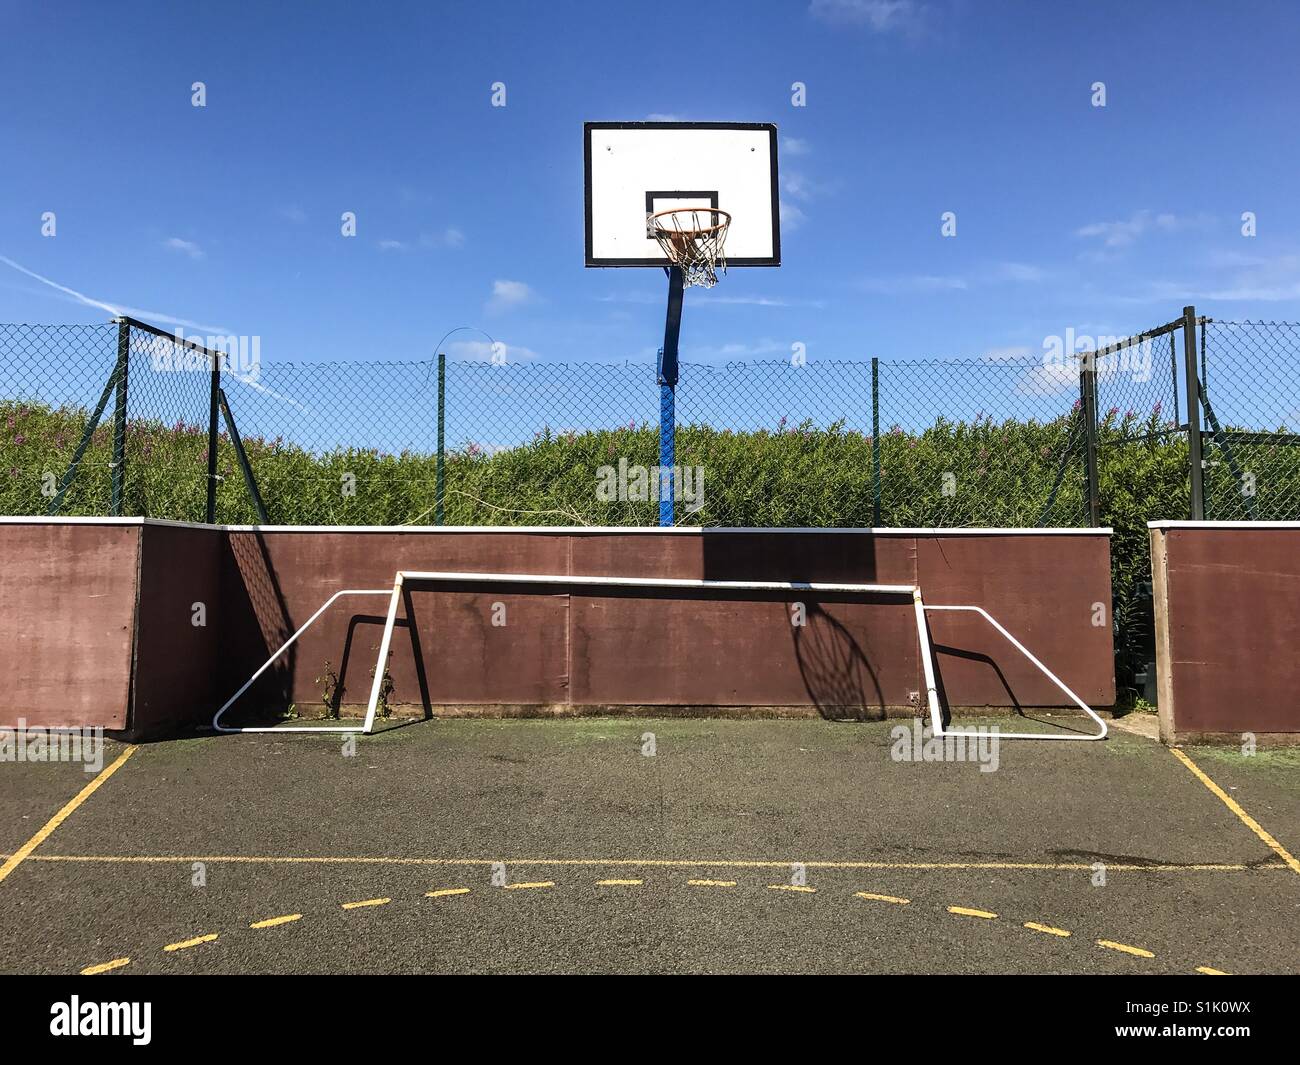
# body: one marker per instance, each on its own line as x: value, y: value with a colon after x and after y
x: 693, y: 238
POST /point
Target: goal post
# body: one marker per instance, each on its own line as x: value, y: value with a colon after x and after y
x: 542, y: 580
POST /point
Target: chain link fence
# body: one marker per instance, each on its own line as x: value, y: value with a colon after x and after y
x: 758, y: 444
x: 58, y: 393
x: 116, y: 419
x: 1250, y: 389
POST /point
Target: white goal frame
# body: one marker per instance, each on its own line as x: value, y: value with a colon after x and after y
x: 404, y: 577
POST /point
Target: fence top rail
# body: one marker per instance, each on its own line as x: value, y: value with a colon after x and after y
x: 1138, y: 338
x: 181, y: 342
x: 1184, y: 524
x: 564, y: 530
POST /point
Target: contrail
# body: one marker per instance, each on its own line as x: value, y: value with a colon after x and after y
x: 133, y: 312
x: 157, y: 316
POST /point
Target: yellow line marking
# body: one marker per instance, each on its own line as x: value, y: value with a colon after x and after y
x: 366, y: 902
x: 1232, y: 805
x: 16, y: 859
x: 1124, y: 948
x: 1210, y: 972
x: 966, y: 911
x: 711, y: 883
x: 187, y: 943
x: 271, y: 922
x: 661, y: 863
x: 1047, y: 928
x: 619, y: 883
x: 108, y: 966
x: 881, y: 898
x: 443, y: 892
x: 534, y: 884
x: 792, y: 887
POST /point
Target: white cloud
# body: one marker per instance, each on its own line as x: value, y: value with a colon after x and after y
x: 152, y: 317
x: 1050, y: 379
x: 293, y: 213
x: 794, y: 146
x: 507, y: 295
x: 187, y: 247
x: 451, y: 237
x: 1125, y: 232
x: 797, y: 185
x: 712, y: 299
x: 1238, y: 291
x: 737, y: 350
x: 1024, y: 272
x: 1233, y: 276
x: 881, y: 16
x: 660, y: 116
x: 893, y: 286
x: 792, y: 217
x: 482, y: 351
x: 998, y: 273
x: 717, y: 299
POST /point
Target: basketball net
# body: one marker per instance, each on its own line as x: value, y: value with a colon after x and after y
x: 693, y: 238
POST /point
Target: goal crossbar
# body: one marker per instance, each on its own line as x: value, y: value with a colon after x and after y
x: 405, y: 577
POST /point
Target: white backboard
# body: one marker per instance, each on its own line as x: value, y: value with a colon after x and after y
x: 634, y: 169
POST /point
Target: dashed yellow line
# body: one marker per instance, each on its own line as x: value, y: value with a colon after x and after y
x: 1210, y: 972
x: 366, y: 902
x: 881, y: 898
x: 533, y: 884
x: 185, y: 944
x: 803, y: 888
x: 966, y: 911
x: 1047, y: 929
x: 711, y: 883
x: 1124, y: 948
x: 442, y: 893
x: 1232, y: 805
x: 16, y: 859
x: 619, y: 883
x: 108, y: 966
x: 272, y: 922
x: 660, y: 863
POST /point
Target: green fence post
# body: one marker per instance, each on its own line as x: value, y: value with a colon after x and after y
x: 1194, y: 442
x: 875, y: 442
x: 440, y: 483
x: 214, y: 402
x: 119, y: 420
x: 1088, y: 411
x: 250, y: 482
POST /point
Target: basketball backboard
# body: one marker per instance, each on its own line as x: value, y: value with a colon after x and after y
x: 636, y: 169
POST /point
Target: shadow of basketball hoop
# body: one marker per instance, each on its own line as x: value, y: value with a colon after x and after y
x: 836, y: 672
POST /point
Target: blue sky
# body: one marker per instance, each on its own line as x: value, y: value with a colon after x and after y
x: 1069, y: 216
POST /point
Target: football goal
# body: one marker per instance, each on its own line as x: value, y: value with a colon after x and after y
x: 553, y: 581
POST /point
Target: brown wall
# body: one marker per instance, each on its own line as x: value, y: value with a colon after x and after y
x: 175, y: 658
x: 85, y: 600
x: 600, y: 647
x: 1227, y: 602
x: 67, y: 610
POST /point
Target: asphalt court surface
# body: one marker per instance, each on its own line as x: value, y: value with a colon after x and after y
x: 680, y: 862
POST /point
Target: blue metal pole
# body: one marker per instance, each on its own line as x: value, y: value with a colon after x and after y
x: 667, y: 447
x: 667, y: 395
